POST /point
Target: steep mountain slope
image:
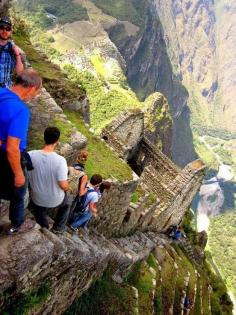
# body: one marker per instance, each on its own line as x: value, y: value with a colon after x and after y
x: 225, y: 113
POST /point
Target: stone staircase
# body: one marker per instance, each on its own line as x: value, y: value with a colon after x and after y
x: 172, y: 278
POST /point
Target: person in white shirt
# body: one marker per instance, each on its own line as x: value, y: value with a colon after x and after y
x: 48, y: 182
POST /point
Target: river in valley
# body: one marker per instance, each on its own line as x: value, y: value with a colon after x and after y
x: 217, y: 195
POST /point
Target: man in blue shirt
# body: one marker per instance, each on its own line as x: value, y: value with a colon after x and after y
x: 14, y: 123
x: 10, y: 55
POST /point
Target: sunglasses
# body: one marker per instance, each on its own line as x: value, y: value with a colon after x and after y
x: 6, y: 28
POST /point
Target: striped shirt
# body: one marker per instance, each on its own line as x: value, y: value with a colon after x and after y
x: 7, y: 65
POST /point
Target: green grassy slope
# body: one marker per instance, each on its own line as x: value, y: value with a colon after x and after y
x: 222, y: 243
x: 66, y: 11
x: 124, y: 10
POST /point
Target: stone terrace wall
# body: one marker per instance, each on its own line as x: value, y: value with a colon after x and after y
x: 113, y: 206
x: 174, y: 188
x: 164, y: 168
x: 68, y: 263
x: 174, y: 194
x: 189, y: 181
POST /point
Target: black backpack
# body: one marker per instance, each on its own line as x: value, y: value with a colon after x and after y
x: 78, y: 206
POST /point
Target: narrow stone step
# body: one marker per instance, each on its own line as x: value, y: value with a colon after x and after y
x: 143, y: 278
x: 192, y: 292
x: 169, y: 274
x: 187, y: 279
x: 198, y: 310
x: 205, y: 297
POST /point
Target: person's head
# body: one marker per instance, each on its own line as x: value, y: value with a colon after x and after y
x: 28, y: 84
x: 96, y: 180
x: 5, y: 28
x: 104, y: 186
x: 51, y: 135
x: 82, y: 157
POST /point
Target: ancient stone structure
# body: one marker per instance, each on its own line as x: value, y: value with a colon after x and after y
x: 124, y: 133
x: 173, y: 188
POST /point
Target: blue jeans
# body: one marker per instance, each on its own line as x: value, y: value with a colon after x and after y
x: 82, y: 219
x: 62, y: 212
x: 9, y: 192
x: 16, y: 209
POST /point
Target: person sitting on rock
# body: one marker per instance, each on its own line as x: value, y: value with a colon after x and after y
x: 48, y: 182
x: 89, y: 203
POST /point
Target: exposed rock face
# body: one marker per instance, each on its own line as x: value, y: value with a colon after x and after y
x: 158, y: 123
x: 149, y: 69
x: 68, y: 263
x: 189, y: 30
x: 225, y: 111
x: 45, y: 112
x: 186, y: 50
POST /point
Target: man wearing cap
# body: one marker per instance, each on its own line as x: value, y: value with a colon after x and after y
x: 10, y: 55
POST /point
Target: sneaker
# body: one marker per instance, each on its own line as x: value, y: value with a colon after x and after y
x: 25, y: 227
x: 58, y: 231
x: 12, y: 230
x: 73, y: 229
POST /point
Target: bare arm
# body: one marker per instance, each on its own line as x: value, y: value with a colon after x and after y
x: 64, y: 185
x: 93, y: 208
x: 19, y: 65
x: 83, y: 189
x: 14, y: 158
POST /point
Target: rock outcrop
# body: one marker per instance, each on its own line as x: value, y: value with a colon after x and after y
x: 46, y: 112
x: 149, y: 69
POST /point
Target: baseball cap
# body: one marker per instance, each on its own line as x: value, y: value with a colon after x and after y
x: 5, y: 21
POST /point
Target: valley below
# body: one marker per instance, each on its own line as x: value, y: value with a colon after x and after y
x: 215, y: 205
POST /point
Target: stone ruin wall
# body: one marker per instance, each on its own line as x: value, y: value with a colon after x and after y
x: 148, y: 154
x: 125, y: 132
x: 173, y: 212
x: 173, y: 187
x: 113, y: 207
